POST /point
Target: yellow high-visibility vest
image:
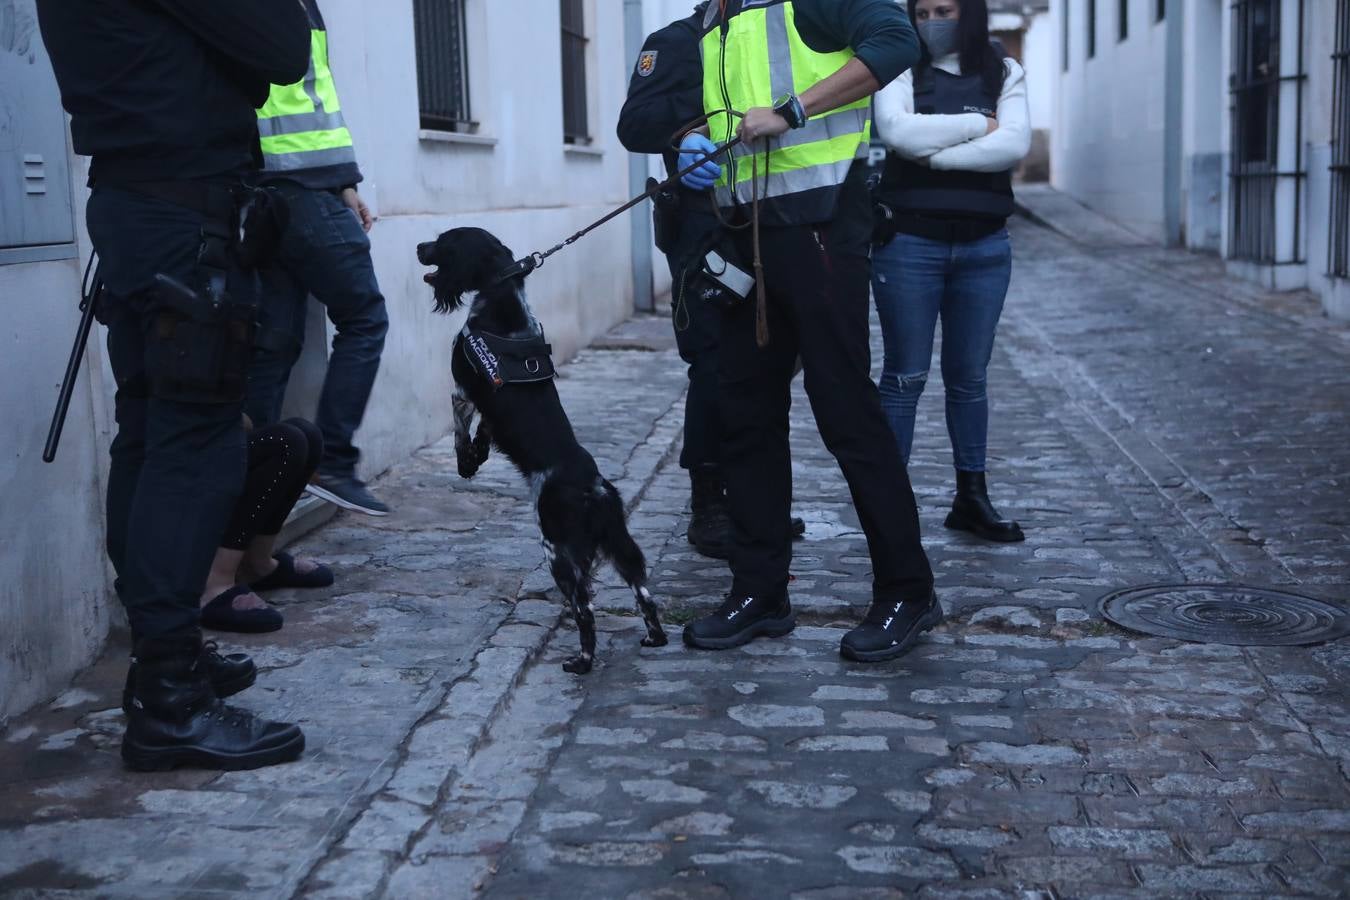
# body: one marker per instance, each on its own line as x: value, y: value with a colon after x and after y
x: 301, y: 124
x: 756, y: 61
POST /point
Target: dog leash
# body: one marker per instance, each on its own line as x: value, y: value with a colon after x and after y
x: 527, y: 264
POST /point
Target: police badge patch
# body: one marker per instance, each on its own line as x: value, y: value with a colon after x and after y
x: 646, y: 63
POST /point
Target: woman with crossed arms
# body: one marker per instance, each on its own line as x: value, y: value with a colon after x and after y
x: 954, y: 127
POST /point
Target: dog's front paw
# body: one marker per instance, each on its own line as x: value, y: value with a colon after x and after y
x: 578, y: 665
x: 468, y: 465
x: 655, y: 639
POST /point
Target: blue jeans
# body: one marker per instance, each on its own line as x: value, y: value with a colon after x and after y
x: 323, y: 252
x: 915, y: 280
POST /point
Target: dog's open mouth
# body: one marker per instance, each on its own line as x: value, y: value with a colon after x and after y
x: 430, y: 277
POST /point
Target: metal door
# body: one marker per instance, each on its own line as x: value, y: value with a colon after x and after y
x: 36, y: 221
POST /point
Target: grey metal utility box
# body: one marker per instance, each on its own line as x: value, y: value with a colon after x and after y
x: 36, y: 219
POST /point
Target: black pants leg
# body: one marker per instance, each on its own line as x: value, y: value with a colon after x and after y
x: 177, y: 467
x: 817, y: 283
x: 281, y: 459
x: 697, y: 325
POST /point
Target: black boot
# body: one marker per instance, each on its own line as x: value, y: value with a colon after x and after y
x: 177, y: 720
x: 709, y: 524
x: 972, y: 511
x: 228, y: 674
x: 890, y: 629
x: 739, y: 620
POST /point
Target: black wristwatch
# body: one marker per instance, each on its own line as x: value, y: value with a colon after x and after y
x: 790, y: 108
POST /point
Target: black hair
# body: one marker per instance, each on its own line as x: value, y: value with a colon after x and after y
x: 977, y: 52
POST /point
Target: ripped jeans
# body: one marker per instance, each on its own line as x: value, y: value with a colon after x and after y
x: 914, y: 281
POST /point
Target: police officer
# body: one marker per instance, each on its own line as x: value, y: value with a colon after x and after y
x: 309, y: 159
x: 802, y: 72
x: 162, y: 95
x: 665, y: 93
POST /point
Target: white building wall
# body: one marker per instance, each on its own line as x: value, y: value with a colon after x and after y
x: 1041, y: 62
x: 515, y: 177
x: 1107, y: 140
x: 1205, y: 123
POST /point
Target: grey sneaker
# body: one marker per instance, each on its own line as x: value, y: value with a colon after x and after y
x: 348, y: 492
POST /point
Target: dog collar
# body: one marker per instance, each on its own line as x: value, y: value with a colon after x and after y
x: 520, y: 267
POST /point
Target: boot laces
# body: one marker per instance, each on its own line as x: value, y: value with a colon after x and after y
x: 211, y: 650
x: 231, y: 716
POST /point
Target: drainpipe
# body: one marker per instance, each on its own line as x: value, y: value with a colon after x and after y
x: 640, y: 220
x: 1174, y: 78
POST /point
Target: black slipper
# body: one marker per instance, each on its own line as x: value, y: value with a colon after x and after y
x: 220, y: 615
x: 285, y: 575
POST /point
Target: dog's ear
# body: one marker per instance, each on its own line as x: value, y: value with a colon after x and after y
x: 456, y: 273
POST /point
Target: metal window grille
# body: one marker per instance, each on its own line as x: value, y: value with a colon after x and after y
x: 1091, y: 28
x: 575, y: 127
x: 442, y: 65
x: 1257, y: 173
x: 1123, y: 20
x: 1338, y: 245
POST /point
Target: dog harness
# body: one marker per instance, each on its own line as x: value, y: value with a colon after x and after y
x: 508, y: 360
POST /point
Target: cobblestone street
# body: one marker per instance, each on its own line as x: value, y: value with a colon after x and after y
x: 1152, y: 421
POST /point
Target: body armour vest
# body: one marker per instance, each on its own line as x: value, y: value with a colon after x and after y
x: 913, y: 188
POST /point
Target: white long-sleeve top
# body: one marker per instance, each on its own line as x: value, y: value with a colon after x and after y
x: 956, y: 141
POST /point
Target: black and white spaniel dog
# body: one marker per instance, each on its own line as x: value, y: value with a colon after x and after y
x: 504, y: 374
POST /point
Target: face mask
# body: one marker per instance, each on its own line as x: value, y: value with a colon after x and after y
x: 939, y: 36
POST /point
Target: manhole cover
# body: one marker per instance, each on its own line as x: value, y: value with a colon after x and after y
x: 1226, y: 614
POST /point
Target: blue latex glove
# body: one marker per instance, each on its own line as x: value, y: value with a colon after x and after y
x: 692, y: 147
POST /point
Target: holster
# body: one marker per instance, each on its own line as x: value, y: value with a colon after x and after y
x: 719, y: 273
x: 883, y: 223
x: 665, y: 217
x: 199, y: 346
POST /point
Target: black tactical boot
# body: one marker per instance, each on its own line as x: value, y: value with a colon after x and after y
x: 972, y: 511
x: 739, y: 620
x: 176, y: 719
x: 890, y: 629
x: 709, y: 524
x: 228, y: 674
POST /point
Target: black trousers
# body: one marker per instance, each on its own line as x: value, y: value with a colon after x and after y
x: 816, y: 278
x: 177, y: 467
x: 697, y: 325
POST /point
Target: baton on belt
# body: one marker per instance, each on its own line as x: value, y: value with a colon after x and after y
x: 91, y: 290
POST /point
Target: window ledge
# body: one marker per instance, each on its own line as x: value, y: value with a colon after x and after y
x: 456, y: 137
x: 583, y: 150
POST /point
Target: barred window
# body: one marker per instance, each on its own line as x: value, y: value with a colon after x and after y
x: 1338, y: 249
x: 575, y: 127
x: 442, y: 65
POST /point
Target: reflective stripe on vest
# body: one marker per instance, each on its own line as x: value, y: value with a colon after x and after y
x: 764, y: 58
x: 301, y: 124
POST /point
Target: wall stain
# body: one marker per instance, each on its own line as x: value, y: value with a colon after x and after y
x: 17, y: 29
